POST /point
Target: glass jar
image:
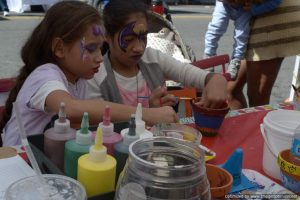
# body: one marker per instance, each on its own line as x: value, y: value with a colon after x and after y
x: 164, y: 168
x: 51, y: 187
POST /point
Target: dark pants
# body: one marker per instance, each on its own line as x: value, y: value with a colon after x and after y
x: 3, y: 5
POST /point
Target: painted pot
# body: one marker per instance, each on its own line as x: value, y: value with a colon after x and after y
x: 208, y: 120
x: 220, y: 181
x: 290, y: 173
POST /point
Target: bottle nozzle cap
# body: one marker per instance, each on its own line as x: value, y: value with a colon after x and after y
x: 132, y: 126
x: 84, y: 129
x: 98, y: 151
x: 140, y: 124
x: 138, y: 112
x: 84, y: 136
x: 62, y: 124
x: 106, y: 116
x: 61, y: 114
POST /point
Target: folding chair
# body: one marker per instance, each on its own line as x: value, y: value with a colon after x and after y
x: 5, y: 86
x: 214, y: 62
x: 186, y: 94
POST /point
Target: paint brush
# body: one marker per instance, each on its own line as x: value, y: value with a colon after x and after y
x: 179, y: 98
x: 184, y: 98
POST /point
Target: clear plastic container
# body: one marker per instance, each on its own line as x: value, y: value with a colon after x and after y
x: 55, y: 187
x: 176, y: 130
x: 164, y: 168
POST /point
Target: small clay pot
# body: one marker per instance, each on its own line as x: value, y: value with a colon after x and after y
x: 290, y: 176
x: 208, y: 120
x: 220, y: 180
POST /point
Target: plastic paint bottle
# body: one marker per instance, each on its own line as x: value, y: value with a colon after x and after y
x: 141, y: 130
x: 122, y: 148
x: 234, y: 165
x: 295, y: 150
x: 76, y: 148
x: 97, y: 170
x: 110, y: 138
x: 56, y: 137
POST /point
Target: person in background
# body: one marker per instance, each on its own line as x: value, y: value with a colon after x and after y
x: 273, y: 37
x: 62, y: 52
x: 240, y: 12
x: 4, y: 7
x: 138, y: 73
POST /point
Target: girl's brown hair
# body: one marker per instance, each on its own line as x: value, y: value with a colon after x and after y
x: 117, y: 12
x: 67, y: 20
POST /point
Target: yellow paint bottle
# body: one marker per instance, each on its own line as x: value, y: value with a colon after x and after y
x: 97, y: 170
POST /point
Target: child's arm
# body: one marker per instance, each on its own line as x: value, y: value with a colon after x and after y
x: 215, y: 92
x: 267, y: 6
x: 214, y: 85
x: 95, y: 108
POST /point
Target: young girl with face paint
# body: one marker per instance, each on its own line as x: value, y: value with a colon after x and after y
x: 63, y: 51
x: 132, y: 73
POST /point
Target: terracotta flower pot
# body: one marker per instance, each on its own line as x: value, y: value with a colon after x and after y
x: 290, y: 173
x: 220, y: 180
x: 208, y: 120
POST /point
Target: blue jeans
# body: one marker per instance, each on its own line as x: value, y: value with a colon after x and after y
x: 3, y: 5
x: 218, y: 26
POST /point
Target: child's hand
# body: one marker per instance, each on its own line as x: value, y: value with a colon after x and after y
x: 160, y: 97
x: 215, y: 92
x: 165, y: 114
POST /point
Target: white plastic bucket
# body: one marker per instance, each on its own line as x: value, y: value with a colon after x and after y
x: 277, y: 130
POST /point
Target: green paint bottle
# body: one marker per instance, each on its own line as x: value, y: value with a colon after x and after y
x: 76, y: 148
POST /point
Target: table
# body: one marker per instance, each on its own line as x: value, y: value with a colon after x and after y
x: 241, y: 129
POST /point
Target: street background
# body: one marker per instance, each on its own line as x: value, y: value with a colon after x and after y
x: 190, y: 20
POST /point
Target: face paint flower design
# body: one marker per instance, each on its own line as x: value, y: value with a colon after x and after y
x: 136, y: 29
x: 82, y: 49
x: 98, y: 30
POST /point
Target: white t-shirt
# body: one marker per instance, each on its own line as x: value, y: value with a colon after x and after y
x: 38, y: 100
x: 133, y: 90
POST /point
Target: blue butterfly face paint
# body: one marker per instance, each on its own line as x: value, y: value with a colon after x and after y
x: 130, y: 32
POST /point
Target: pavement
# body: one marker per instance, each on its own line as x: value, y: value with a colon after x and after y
x: 14, y: 31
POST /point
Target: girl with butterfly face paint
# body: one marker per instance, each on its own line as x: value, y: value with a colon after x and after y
x: 133, y: 74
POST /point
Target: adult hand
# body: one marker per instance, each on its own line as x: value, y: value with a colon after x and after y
x: 165, y: 114
x: 160, y: 97
x: 215, y: 92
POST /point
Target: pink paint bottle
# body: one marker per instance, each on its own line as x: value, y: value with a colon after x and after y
x: 110, y: 138
x: 56, y: 137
